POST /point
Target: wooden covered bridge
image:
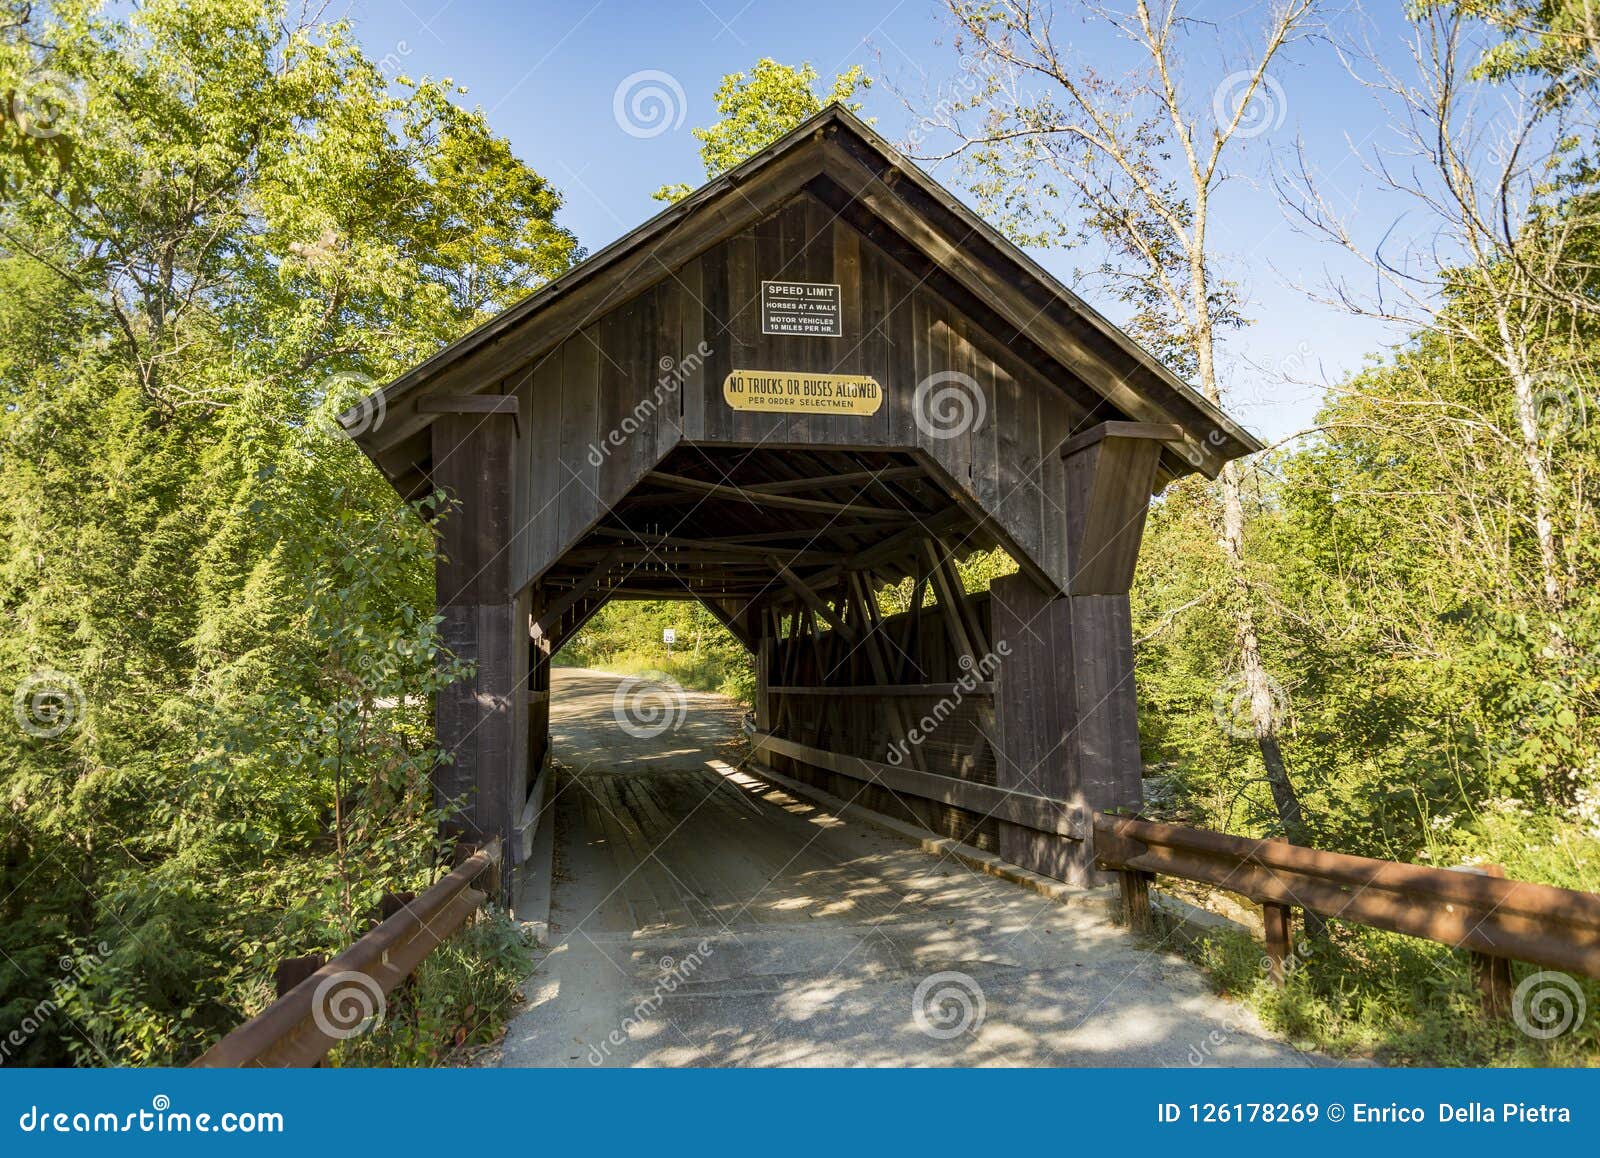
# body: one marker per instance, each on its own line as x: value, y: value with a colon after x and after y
x: 816, y: 375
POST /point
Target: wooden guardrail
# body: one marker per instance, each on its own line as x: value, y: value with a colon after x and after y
x: 1041, y: 813
x: 1497, y: 920
x: 334, y: 1002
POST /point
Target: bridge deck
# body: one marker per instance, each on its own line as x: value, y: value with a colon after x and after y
x: 703, y: 916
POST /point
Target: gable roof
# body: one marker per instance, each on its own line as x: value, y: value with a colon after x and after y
x: 884, y: 194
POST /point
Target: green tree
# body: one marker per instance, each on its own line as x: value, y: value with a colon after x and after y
x: 1059, y: 152
x: 238, y: 227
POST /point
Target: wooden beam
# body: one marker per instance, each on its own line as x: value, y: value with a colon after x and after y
x: 888, y: 474
x: 730, y: 548
x: 678, y: 556
x: 945, y: 520
x: 577, y: 617
x: 1109, y: 479
x: 949, y: 594
x: 472, y: 404
x: 733, y: 622
x: 779, y: 502
x: 553, y: 613
x: 1055, y: 817
x: 1169, y: 432
x: 811, y: 599
x: 979, y: 688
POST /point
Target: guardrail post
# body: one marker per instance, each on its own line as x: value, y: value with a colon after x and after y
x: 1280, y: 940
x: 1492, y: 974
x: 1136, y: 900
x: 1493, y: 977
x: 403, y: 1000
x: 293, y: 970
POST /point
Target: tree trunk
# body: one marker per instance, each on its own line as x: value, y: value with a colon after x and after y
x: 1539, y: 484
x: 1258, y: 684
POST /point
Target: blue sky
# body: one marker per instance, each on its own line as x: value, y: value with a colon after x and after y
x: 546, y: 75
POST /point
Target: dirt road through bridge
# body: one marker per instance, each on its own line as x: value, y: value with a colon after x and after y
x: 704, y: 916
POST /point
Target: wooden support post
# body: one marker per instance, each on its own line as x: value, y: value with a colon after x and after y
x: 293, y: 970
x: 766, y: 625
x: 391, y: 903
x: 481, y: 721
x: 1066, y: 717
x: 487, y: 881
x: 1492, y: 975
x: 1136, y: 909
x: 1067, y: 713
x: 1280, y: 940
x: 403, y: 1000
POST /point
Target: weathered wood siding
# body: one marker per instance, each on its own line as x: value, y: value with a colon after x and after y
x: 624, y: 367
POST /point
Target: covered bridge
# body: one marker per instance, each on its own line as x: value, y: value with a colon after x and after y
x: 816, y: 375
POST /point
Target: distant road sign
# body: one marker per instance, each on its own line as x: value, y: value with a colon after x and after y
x: 669, y: 635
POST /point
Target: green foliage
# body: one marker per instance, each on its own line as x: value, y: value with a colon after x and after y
x: 460, y: 996
x: 249, y: 228
x: 626, y: 637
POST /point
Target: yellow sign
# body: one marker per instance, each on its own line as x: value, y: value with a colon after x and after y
x: 789, y: 392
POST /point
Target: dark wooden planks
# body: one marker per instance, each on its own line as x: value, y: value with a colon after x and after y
x: 480, y: 721
x: 1031, y: 689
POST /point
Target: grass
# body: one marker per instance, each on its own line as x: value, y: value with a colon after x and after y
x: 706, y: 672
x: 461, y: 996
x: 1397, y: 1000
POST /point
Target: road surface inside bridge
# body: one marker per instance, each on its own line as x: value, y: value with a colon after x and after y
x: 704, y: 916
